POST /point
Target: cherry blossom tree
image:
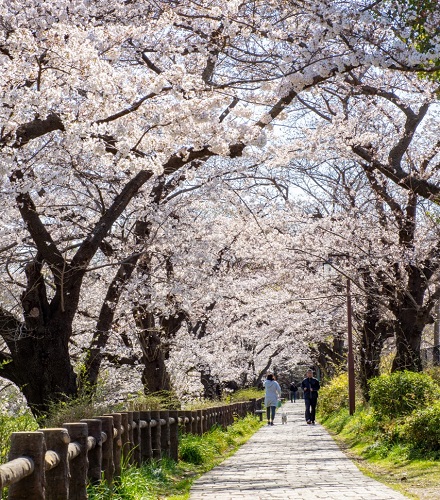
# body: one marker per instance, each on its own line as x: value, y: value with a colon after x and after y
x: 107, y: 108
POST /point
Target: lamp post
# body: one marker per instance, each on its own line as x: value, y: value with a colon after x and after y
x: 350, y: 355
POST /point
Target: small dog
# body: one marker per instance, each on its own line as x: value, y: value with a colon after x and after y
x: 284, y: 417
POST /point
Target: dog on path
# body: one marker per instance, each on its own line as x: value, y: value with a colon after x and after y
x: 284, y: 417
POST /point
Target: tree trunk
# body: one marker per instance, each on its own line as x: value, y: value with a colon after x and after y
x: 373, y: 336
x: 212, y: 389
x: 408, y: 340
x: 412, y: 317
x: 42, y: 369
x: 373, y: 333
x: 155, y: 376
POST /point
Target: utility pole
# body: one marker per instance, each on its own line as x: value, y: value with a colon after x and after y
x: 351, y: 380
x: 436, y: 350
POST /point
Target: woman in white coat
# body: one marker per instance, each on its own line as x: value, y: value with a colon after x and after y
x: 273, y: 393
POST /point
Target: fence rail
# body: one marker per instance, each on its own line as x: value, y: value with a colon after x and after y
x: 58, y: 463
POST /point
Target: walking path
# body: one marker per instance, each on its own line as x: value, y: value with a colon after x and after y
x: 295, y: 461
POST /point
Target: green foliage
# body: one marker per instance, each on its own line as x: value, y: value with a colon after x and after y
x: 422, y: 429
x: 87, y: 404
x: 333, y: 396
x: 245, y: 395
x: 400, y: 393
x: 204, y: 449
x: 194, y: 451
x: 161, y: 400
x: 137, y: 483
x: 9, y: 424
x: 168, y: 479
x: 434, y: 373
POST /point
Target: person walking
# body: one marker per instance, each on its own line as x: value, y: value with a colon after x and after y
x: 293, y: 390
x: 272, y: 393
x: 310, y: 387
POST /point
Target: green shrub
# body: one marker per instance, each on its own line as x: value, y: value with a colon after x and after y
x: 422, y: 428
x: 333, y: 396
x: 85, y: 405
x: 159, y: 400
x: 245, y: 394
x: 10, y: 424
x: 400, y: 393
x: 199, y: 450
x: 192, y: 452
x: 434, y: 373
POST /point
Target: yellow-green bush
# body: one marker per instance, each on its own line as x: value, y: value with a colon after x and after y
x: 400, y: 393
x: 10, y: 424
x: 333, y: 396
x: 422, y: 428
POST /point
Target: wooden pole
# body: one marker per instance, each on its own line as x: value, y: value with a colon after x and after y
x: 31, y: 445
x: 146, y: 449
x: 108, y: 465
x: 95, y: 452
x: 57, y: 479
x: 156, y: 435
x: 78, y: 467
x: 351, y: 374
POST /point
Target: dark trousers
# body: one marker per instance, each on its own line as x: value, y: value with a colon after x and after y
x: 292, y: 396
x: 310, y: 408
x: 270, y: 410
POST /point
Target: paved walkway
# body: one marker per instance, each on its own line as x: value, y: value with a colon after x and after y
x: 287, y: 462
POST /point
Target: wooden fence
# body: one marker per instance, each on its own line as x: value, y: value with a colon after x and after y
x: 57, y: 464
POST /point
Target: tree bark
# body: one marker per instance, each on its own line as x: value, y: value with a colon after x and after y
x: 155, y: 376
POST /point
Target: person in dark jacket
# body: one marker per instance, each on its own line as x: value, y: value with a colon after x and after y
x: 293, y: 390
x: 310, y: 387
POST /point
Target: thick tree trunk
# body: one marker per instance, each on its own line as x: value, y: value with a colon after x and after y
x: 412, y: 317
x: 329, y: 358
x: 373, y: 333
x: 373, y: 336
x: 155, y: 376
x: 408, y: 340
x: 43, y: 371
x: 211, y: 388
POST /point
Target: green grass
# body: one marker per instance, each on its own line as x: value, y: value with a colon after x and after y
x: 379, y: 454
x: 10, y: 424
x: 166, y: 479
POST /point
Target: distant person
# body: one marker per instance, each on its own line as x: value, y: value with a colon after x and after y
x: 310, y: 387
x: 273, y: 392
x: 293, y: 390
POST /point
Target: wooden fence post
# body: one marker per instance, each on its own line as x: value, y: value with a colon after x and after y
x: 125, y: 436
x: 155, y: 435
x: 136, y: 439
x: 78, y: 467
x: 208, y: 420
x: 194, y: 424
x: 108, y: 465
x: 57, y: 478
x: 95, y: 452
x: 117, y: 443
x: 131, y: 438
x: 31, y: 445
x: 202, y: 422
x: 165, y: 433
x: 145, y: 438
x: 187, y: 414
x: 174, y: 435
x: 224, y: 414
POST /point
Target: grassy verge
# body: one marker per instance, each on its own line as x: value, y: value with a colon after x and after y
x: 169, y: 480
x: 397, y: 465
